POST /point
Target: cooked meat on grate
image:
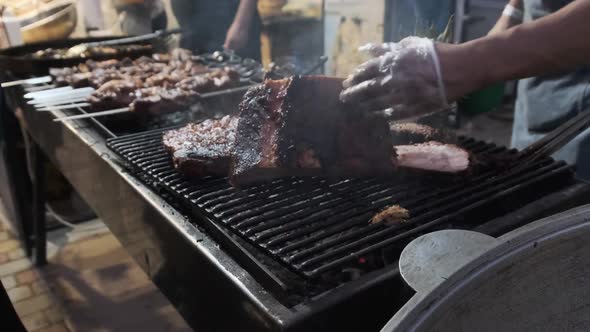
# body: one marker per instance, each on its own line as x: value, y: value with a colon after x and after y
x: 162, y: 100
x: 111, y: 95
x: 432, y: 156
x: 160, y: 93
x: 160, y: 67
x: 200, y: 149
x: 411, y: 133
x: 298, y: 126
x: 390, y: 215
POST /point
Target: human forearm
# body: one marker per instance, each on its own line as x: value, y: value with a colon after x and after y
x: 551, y: 44
x: 245, y: 13
x: 507, y: 22
x: 239, y: 31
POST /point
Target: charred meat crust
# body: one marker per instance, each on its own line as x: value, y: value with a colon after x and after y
x: 412, y: 133
x: 200, y: 149
x: 298, y: 126
x: 256, y: 145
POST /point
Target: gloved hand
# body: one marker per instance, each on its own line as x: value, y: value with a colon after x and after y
x: 404, y: 78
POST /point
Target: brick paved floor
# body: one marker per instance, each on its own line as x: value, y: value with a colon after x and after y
x: 37, y: 307
x: 91, y: 284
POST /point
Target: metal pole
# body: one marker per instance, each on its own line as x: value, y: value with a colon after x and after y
x: 39, y: 229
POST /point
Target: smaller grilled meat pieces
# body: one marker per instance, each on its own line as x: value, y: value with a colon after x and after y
x: 160, y: 93
x: 432, y: 156
x: 201, y: 149
x: 412, y: 133
x: 162, y: 100
x: 390, y: 215
x: 111, y: 95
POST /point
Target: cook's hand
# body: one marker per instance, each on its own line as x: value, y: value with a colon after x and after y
x: 404, y: 78
x: 378, y: 49
x: 236, y: 37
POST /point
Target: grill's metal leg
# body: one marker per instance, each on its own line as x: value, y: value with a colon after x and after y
x: 39, y: 230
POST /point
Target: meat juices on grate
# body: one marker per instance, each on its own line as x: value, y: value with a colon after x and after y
x: 298, y: 126
x: 200, y: 149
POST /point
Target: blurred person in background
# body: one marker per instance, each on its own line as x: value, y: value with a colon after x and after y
x: 214, y: 25
x: 139, y: 17
x: 546, y: 101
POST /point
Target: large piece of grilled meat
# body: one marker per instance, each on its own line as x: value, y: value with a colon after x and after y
x: 297, y: 126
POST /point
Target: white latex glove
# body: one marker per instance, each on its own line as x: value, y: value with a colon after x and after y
x: 403, y: 79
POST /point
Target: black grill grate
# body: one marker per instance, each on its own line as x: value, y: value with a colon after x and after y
x: 317, y: 227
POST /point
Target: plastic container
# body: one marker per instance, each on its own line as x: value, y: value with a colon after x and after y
x: 482, y: 101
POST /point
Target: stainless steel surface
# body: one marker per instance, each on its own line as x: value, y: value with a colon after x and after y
x: 203, y: 282
x: 143, y: 222
x: 92, y: 115
x: 534, y: 279
x: 55, y: 23
x: 432, y: 258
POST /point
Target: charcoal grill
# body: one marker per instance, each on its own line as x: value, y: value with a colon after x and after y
x: 291, y: 254
x: 318, y: 228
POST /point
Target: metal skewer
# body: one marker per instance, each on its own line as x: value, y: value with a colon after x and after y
x: 224, y: 92
x: 40, y: 107
x: 126, y: 109
x: 49, y: 91
x: 62, y: 107
x: 92, y: 115
x: 36, y: 88
x: 63, y: 95
x: 35, y: 80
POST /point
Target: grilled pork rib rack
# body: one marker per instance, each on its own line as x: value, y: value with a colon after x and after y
x: 297, y: 126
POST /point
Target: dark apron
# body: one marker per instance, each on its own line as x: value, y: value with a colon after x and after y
x: 208, y: 21
x: 545, y: 102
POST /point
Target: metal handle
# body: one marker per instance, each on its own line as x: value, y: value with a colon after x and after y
x: 432, y: 258
x: 128, y: 40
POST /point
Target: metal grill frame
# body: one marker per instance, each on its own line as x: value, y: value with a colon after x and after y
x: 155, y: 165
x: 201, y: 278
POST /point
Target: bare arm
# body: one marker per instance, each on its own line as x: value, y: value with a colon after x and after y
x: 237, y: 34
x: 555, y: 43
x: 506, y: 22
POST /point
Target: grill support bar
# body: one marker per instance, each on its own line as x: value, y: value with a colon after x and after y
x: 39, y: 222
x: 200, y: 279
x: 205, y: 283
